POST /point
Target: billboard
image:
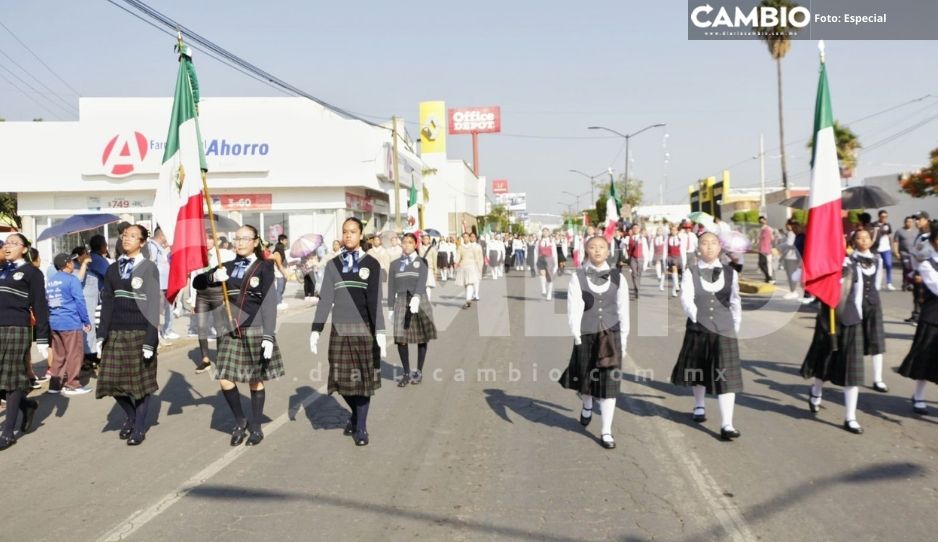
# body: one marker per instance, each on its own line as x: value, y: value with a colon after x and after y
x: 513, y: 201
x: 499, y: 186
x: 475, y: 120
x: 432, y: 129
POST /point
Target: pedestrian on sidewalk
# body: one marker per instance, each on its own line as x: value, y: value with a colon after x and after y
x: 882, y: 243
x: 921, y: 363
x: 279, y: 257
x: 843, y: 365
x: 905, y: 239
x: 766, y: 238
x: 709, y: 358
x: 247, y: 349
x: 411, y: 313
x: 128, y: 335
x: 470, y: 260
x: 22, y: 300
x: 351, y: 292
x: 598, y: 316
x: 791, y: 261
x: 870, y: 268
x: 69, y: 321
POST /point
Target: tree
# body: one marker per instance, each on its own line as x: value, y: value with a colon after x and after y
x: 630, y: 195
x: 8, y: 208
x: 779, y: 43
x: 497, y: 219
x: 847, y: 146
x: 922, y: 183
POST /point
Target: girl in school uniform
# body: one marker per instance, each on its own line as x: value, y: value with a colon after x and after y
x: 869, y: 267
x: 921, y: 363
x: 659, y: 243
x: 351, y: 292
x: 471, y: 261
x: 22, y: 298
x: 247, y: 350
x: 843, y: 366
x: 411, y: 313
x: 709, y: 358
x: 128, y: 334
x: 546, y: 263
x: 428, y: 251
x: 598, y: 316
x: 675, y: 259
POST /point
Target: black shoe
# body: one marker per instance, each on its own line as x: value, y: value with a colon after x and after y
x: 28, y: 407
x: 126, y: 430
x: 911, y: 320
x: 585, y: 420
x: 34, y: 384
x: 136, y: 439
x: 416, y: 377
x: 726, y: 434
x: 402, y: 383
x: 467, y: 305
x: 811, y: 406
x: 855, y: 430
x: 917, y: 409
x: 349, y: 428
x: 361, y: 438
x: 881, y: 387
x: 607, y: 444
x: 204, y: 366
x: 702, y: 417
x: 6, y: 442
x: 256, y: 437
x: 238, y: 435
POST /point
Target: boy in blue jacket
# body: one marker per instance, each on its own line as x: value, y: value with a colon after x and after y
x: 68, y: 318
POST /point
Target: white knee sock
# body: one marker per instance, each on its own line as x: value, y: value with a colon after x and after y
x: 727, y: 402
x: 817, y: 389
x: 851, y: 396
x: 607, y: 408
x: 543, y: 284
x: 674, y: 282
x: 919, y: 395
x: 468, y: 292
x: 699, y: 393
x: 550, y: 289
x: 475, y: 289
x: 877, y: 368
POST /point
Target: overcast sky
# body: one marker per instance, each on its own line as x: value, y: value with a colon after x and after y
x: 553, y: 67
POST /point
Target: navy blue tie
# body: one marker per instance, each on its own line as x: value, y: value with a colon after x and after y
x: 126, y: 267
x: 241, y: 265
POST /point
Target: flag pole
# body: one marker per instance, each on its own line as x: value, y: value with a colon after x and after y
x: 833, y: 317
x: 211, y: 214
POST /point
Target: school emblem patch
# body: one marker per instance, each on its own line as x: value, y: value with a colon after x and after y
x: 416, y: 264
x: 18, y: 275
x: 364, y: 273
x: 254, y: 282
x: 136, y: 282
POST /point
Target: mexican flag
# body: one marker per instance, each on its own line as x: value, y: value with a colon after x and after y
x: 612, y: 211
x: 413, y: 214
x: 177, y: 208
x: 824, y: 241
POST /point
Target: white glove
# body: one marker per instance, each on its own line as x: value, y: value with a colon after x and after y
x: 624, y: 344
x: 382, y: 341
x: 414, y: 304
x: 220, y: 275
x: 43, y: 350
x: 268, y: 349
x: 147, y: 354
x: 98, y: 347
x: 314, y: 342
x: 577, y: 341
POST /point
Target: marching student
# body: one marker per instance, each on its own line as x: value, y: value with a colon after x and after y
x: 410, y: 313
x: 492, y: 248
x: 444, y: 258
x: 598, y: 316
x: 636, y: 249
x: 128, y: 333
x: 428, y: 251
x: 842, y: 366
x: 561, y: 253
x: 688, y: 244
x: 531, y: 255
x: 247, y: 349
x: 709, y: 358
x: 518, y: 248
x: 22, y: 297
x: 675, y: 260
x: 874, y: 337
x: 546, y: 263
x: 471, y: 261
x: 921, y: 363
x: 659, y: 243
x: 351, y: 292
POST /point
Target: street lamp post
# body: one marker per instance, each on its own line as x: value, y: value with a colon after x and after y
x: 591, y: 178
x: 625, y: 192
x: 577, y: 198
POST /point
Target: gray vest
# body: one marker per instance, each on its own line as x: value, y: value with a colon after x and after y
x: 600, y: 311
x: 713, y: 309
x: 929, y: 301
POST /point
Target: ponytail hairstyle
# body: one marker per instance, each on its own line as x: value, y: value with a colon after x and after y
x: 27, y: 246
x: 258, y: 248
x: 361, y: 226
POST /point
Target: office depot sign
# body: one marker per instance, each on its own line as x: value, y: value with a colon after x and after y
x: 475, y: 120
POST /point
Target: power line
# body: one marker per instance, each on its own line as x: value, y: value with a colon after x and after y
x: 43, y: 85
x: 28, y: 95
x: 32, y: 88
x: 57, y: 76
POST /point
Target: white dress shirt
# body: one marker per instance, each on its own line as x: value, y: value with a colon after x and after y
x: 576, y: 307
x: 687, y: 292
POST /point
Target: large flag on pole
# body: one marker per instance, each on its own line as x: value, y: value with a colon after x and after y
x: 178, y: 205
x: 612, y: 211
x: 413, y: 218
x: 824, y: 242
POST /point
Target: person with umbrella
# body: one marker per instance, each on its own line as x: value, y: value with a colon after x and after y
x: 22, y: 298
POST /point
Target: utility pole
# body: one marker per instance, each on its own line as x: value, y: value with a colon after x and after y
x: 397, y: 176
x: 762, y: 175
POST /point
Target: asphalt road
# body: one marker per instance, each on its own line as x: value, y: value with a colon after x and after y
x: 489, y: 446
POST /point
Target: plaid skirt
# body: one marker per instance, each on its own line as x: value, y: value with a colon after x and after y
x: 843, y: 367
x: 413, y: 328
x: 240, y: 359
x: 584, y: 377
x: 708, y: 359
x: 123, y: 371
x: 15, y: 343
x: 874, y: 337
x: 354, y: 360
x: 921, y: 363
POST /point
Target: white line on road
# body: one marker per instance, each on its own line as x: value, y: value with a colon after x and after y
x: 141, y: 517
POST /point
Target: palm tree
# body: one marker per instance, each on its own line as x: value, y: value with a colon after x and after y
x: 779, y: 43
x: 847, y: 146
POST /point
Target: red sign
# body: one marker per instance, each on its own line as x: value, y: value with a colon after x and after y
x: 475, y: 120
x: 358, y: 203
x: 500, y: 186
x: 240, y: 202
x: 123, y: 153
